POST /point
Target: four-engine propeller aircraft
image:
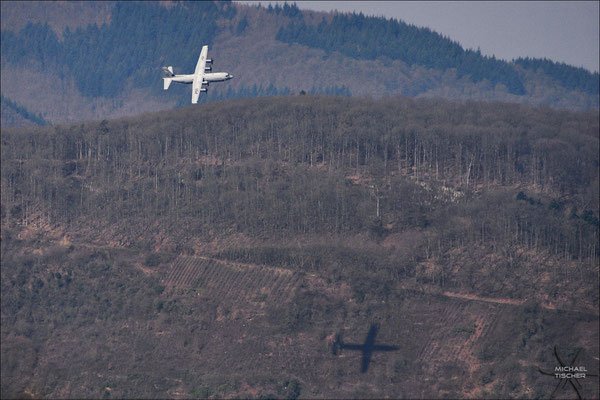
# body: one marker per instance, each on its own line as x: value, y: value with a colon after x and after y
x: 367, y: 348
x: 201, y: 77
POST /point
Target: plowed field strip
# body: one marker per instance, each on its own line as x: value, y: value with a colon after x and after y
x: 177, y: 275
x: 262, y: 280
x: 246, y: 283
x: 280, y: 282
x: 192, y: 276
x: 234, y: 281
x: 188, y: 272
x: 242, y: 282
x: 284, y: 284
x: 495, y: 320
x: 430, y: 351
x: 258, y: 281
x: 228, y: 275
x: 175, y: 271
x: 255, y: 285
x: 172, y: 271
x: 186, y: 262
x: 286, y: 292
x: 169, y: 276
x: 425, y: 347
x: 232, y: 278
x: 453, y: 314
x: 466, y: 350
x: 191, y: 270
x: 181, y: 267
x: 210, y: 270
x: 234, y: 284
x: 221, y: 276
x: 202, y: 273
x: 264, y: 283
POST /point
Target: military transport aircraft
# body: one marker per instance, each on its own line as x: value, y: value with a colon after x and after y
x: 199, y: 79
x: 367, y: 348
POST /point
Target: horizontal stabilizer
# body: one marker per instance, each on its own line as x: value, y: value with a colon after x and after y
x: 167, y: 82
x: 168, y: 71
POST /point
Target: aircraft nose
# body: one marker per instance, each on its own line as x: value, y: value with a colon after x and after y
x: 229, y: 76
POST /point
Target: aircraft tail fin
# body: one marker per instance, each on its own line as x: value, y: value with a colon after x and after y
x: 167, y: 82
x: 168, y: 76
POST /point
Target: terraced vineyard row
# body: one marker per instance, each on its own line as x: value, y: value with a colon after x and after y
x: 233, y: 281
x: 459, y: 345
x: 431, y: 348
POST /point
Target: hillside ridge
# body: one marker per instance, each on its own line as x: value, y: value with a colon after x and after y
x: 225, y: 250
x: 128, y: 82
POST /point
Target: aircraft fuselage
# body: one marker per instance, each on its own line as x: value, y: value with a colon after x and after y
x: 200, y: 79
x: 208, y: 77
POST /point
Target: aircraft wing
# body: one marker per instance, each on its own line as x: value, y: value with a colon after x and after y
x: 385, y: 348
x: 352, y: 346
x: 364, y: 363
x: 199, y: 75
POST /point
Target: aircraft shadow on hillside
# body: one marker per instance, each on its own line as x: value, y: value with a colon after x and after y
x: 367, y: 348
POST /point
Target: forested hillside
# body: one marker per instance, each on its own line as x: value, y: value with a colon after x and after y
x: 363, y: 37
x: 226, y: 250
x: 14, y: 114
x: 103, y: 60
x: 139, y: 36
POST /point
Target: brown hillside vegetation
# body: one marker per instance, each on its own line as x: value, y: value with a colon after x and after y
x: 227, y: 250
x: 58, y: 14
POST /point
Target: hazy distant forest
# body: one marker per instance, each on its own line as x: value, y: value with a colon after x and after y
x: 359, y: 36
x: 353, y: 35
x: 141, y: 27
x: 244, y: 247
x: 107, y: 61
